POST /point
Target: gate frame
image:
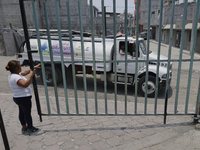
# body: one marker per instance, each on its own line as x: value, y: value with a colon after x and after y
x: 196, y: 116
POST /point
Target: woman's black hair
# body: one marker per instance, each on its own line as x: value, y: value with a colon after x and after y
x: 12, y: 65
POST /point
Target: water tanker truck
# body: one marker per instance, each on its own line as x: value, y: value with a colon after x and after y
x: 99, y: 56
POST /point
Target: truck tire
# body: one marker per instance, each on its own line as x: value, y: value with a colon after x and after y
x: 151, y: 86
x: 49, y: 76
x: 60, y: 78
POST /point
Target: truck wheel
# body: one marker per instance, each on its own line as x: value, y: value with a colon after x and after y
x: 49, y: 76
x: 58, y: 70
x: 151, y: 86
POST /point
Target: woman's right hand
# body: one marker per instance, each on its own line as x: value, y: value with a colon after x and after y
x: 26, y: 83
x: 32, y: 73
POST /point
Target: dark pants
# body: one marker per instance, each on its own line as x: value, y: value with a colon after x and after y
x: 24, y: 104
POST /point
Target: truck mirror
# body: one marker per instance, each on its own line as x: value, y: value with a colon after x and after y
x: 134, y: 54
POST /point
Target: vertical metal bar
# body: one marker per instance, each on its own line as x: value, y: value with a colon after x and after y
x: 93, y: 52
x: 51, y: 56
x: 126, y: 3
x: 170, y: 45
x: 3, y: 133
x: 72, y: 57
x: 137, y: 49
x: 104, y: 58
x: 165, y: 109
x: 24, y: 22
x: 105, y: 20
x: 192, y: 56
x: 158, y: 57
x: 41, y: 57
x: 61, y: 52
x: 147, y: 64
x: 180, y: 56
x: 83, y: 56
x: 169, y: 59
x: 197, y: 112
x: 115, y: 54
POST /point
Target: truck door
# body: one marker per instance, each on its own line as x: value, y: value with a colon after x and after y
x: 130, y: 56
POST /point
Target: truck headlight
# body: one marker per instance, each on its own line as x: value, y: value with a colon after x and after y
x: 165, y: 75
x: 163, y: 64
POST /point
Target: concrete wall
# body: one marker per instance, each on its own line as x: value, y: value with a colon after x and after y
x: 177, y: 13
x: 74, y: 13
x: 10, y: 14
x: 197, y: 42
x: 144, y: 14
x: 109, y: 23
x: 178, y: 21
x: 155, y: 6
x: 187, y: 41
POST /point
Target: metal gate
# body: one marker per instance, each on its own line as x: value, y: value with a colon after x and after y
x: 133, y: 105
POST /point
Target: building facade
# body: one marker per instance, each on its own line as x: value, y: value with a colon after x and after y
x: 143, y: 16
x: 177, y: 26
x: 166, y: 19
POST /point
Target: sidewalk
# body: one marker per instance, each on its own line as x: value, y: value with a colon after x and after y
x: 98, y: 132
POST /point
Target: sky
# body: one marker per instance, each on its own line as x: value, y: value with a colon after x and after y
x: 120, y: 5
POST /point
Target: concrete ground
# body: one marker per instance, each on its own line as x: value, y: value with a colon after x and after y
x: 98, y: 132
x: 104, y: 132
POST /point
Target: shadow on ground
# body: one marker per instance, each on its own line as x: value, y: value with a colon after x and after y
x: 100, y: 87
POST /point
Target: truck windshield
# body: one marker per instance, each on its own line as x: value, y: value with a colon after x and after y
x: 143, y: 47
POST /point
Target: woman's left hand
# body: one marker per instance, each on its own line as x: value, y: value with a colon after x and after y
x: 37, y: 66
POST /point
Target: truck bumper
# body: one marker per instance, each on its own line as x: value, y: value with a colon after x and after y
x: 164, y: 83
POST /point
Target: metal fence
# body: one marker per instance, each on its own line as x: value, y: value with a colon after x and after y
x: 3, y: 133
x: 114, y: 61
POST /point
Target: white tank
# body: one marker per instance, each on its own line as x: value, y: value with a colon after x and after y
x: 77, y: 50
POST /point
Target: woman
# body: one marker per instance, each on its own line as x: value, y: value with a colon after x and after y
x: 22, y: 94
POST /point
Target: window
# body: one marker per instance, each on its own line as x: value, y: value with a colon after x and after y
x: 131, y: 48
x: 190, y: 34
x: 153, y: 14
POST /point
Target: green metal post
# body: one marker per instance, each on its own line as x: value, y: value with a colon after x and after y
x: 192, y: 56
x: 126, y: 5
x: 93, y: 52
x: 51, y: 56
x: 83, y: 56
x: 147, y: 64
x: 61, y: 53
x: 180, y: 56
x: 158, y: 54
x: 72, y: 57
x: 41, y: 57
x: 197, y: 110
x: 137, y: 49
x: 104, y: 57
x: 115, y: 54
x: 169, y: 60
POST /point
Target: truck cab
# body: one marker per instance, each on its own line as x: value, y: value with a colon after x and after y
x: 130, y: 51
